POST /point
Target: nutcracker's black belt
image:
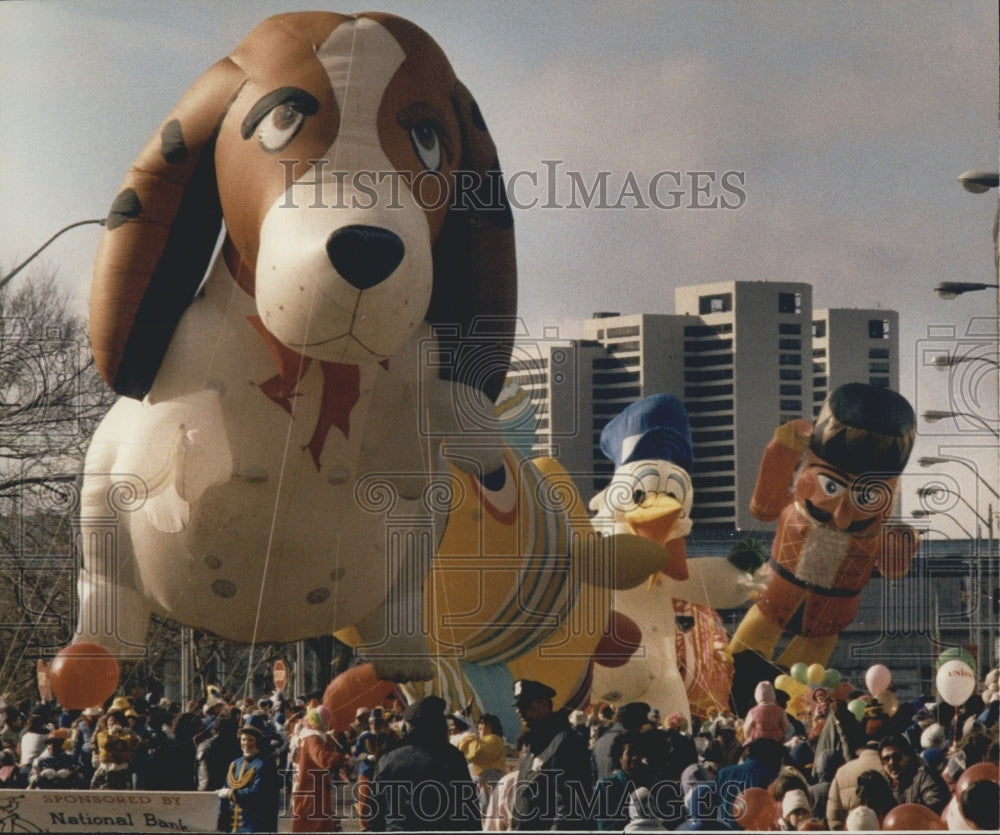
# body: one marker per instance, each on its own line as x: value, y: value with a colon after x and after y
x: 785, y: 574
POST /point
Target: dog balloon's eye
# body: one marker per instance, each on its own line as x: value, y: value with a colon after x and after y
x: 279, y: 127
x: 427, y: 145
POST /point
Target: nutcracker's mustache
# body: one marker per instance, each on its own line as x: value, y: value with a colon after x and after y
x: 825, y: 518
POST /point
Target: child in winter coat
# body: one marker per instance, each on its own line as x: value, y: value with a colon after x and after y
x: 766, y: 719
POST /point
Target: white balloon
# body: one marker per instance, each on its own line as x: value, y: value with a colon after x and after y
x: 955, y: 682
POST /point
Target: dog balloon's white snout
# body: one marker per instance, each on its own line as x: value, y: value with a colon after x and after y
x: 347, y: 285
x: 365, y: 255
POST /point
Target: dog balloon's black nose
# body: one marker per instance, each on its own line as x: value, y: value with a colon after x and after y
x: 364, y: 255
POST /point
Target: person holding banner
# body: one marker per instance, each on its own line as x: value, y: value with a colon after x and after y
x: 249, y: 800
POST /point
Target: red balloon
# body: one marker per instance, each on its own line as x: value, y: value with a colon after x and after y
x: 622, y: 637
x: 755, y: 809
x: 357, y: 687
x: 83, y: 675
x: 911, y: 817
x: 975, y: 773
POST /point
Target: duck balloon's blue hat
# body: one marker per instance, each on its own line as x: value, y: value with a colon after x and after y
x: 655, y: 428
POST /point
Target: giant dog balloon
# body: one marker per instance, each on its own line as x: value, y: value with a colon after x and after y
x: 336, y: 341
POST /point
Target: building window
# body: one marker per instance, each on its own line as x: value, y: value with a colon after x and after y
x: 789, y: 302
x: 715, y: 497
x: 878, y: 368
x: 790, y: 328
x: 819, y: 353
x: 713, y: 467
x: 619, y: 333
x: 613, y: 379
x: 791, y: 405
x: 878, y: 328
x: 715, y: 304
x: 721, y: 451
x: 880, y: 382
x: 789, y: 389
x: 714, y: 435
x: 607, y: 362
x: 705, y: 481
x: 819, y: 329
x: 708, y: 360
x: 878, y: 353
x: 790, y: 344
x: 617, y: 347
x: 789, y: 373
x: 789, y: 359
x: 710, y: 420
x: 700, y: 331
x: 622, y: 393
x: 708, y: 391
x: 703, y: 345
x: 711, y: 406
x: 709, y: 376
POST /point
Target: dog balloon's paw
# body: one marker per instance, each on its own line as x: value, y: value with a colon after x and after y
x: 416, y: 668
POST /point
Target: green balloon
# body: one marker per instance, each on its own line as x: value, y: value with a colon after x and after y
x: 831, y: 678
x: 798, y: 672
x: 956, y: 654
x: 857, y: 707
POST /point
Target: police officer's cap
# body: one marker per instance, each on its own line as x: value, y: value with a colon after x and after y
x: 527, y: 691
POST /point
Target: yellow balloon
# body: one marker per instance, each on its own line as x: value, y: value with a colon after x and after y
x: 815, y: 673
x: 784, y: 682
x: 890, y: 704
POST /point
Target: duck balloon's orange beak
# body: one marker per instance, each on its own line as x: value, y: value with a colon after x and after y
x: 656, y: 520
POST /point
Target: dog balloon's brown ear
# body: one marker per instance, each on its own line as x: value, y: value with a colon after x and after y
x: 474, y: 303
x: 159, y: 237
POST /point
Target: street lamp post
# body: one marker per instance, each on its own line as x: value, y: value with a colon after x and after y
x: 951, y: 360
x: 953, y: 289
x: 975, y: 568
x: 924, y: 513
x: 932, y: 460
x: 979, y: 182
x: 934, y: 415
x: 37, y: 252
x: 934, y: 490
x: 978, y: 621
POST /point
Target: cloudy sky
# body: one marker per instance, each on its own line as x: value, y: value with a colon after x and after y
x: 845, y: 125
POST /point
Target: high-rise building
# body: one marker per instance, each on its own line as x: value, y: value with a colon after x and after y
x: 744, y: 356
x: 853, y: 346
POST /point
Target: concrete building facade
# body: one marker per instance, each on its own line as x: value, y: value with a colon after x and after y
x: 744, y: 356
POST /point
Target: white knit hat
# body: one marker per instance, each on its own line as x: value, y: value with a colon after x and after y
x: 862, y: 819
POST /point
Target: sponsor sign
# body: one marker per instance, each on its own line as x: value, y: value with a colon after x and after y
x: 40, y: 810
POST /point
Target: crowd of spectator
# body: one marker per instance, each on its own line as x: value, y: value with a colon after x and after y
x: 624, y: 768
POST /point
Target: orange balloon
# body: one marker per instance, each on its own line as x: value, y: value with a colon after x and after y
x: 354, y: 688
x: 83, y: 675
x: 975, y: 773
x: 910, y: 817
x: 755, y: 809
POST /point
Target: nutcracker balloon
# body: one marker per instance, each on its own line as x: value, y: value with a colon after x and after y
x: 831, y: 488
